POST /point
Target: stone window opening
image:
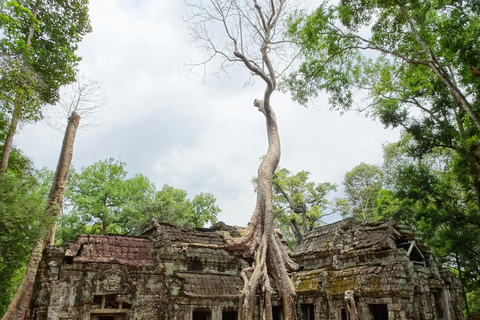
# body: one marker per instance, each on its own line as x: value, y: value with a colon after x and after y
x: 307, y: 312
x: 201, y: 314
x: 195, y: 264
x: 343, y: 314
x: 413, y: 252
x: 109, y: 307
x: 68, y: 260
x: 378, y: 311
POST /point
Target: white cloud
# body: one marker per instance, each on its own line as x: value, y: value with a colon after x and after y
x: 209, y: 138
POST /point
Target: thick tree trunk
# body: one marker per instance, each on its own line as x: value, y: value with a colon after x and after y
x: 9, y: 140
x: 262, y: 242
x: 55, y: 197
x: 20, y: 305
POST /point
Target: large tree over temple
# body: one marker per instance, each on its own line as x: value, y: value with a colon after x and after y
x: 252, y: 36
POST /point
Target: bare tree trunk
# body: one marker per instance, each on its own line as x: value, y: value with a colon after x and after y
x: 261, y: 241
x: 20, y: 305
x: 55, y: 197
x: 304, y: 217
x: 9, y: 140
x: 460, y: 275
x: 296, y: 232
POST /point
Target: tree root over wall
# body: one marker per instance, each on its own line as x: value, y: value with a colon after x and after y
x: 262, y: 243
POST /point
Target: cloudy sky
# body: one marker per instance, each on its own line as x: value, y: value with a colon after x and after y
x: 168, y: 125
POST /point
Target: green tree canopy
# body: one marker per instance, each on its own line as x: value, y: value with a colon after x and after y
x: 173, y: 206
x: 38, y: 40
x: 38, y: 44
x: 362, y: 188
x: 415, y: 63
x: 102, y: 199
x: 298, y: 204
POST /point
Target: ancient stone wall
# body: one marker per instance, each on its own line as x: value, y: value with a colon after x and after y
x: 389, y: 273
x: 350, y: 271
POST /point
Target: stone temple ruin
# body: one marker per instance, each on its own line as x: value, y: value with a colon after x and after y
x: 349, y: 270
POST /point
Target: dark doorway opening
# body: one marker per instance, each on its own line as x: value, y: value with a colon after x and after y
x: 201, y: 315
x: 308, y: 312
x: 379, y: 311
x: 344, y: 315
x: 277, y: 313
x: 229, y: 315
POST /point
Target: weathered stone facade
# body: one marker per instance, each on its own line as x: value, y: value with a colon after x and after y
x: 348, y: 271
x: 391, y: 274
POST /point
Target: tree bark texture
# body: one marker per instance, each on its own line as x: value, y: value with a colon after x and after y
x: 7, y: 147
x: 20, y: 305
x: 55, y: 197
x: 261, y: 242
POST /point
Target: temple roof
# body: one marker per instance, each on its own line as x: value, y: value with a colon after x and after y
x: 208, y: 236
x: 352, y: 235
x: 125, y: 250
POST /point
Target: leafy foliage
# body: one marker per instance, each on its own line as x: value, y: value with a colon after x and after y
x: 362, y: 187
x: 38, y: 40
x: 298, y: 204
x: 416, y: 37
x: 101, y: 199
x: 173, y: 206
x: 22, y: 220
x: 104, y: 199
x: 414, y: 67
x: 415, y: 64
x: 38, y: 45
